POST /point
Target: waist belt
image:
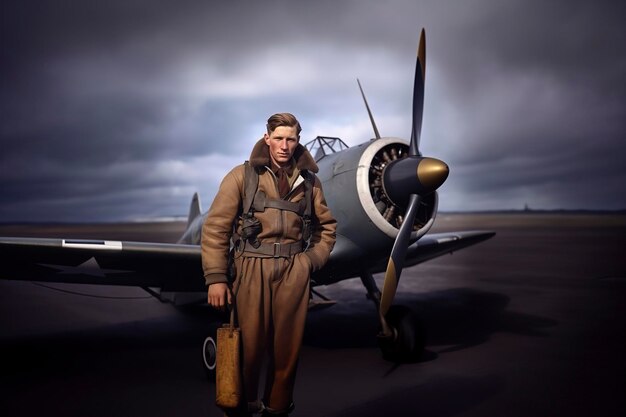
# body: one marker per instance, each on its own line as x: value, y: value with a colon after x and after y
x: 275, y: 250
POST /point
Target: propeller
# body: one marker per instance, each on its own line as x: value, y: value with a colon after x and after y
x: 405, y: 181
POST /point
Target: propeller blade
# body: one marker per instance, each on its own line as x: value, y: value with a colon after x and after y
x: 396, y: 260
x: 418, y: 96
x: 376, y: 134
x: 404, y: 182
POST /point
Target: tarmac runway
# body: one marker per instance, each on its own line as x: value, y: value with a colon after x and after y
x: 529, y: 323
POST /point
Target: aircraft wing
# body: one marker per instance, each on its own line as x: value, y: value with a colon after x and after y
x: 437, y: 244
x: 171, y: 267
x: 178, y: 267
x: 349, y: 259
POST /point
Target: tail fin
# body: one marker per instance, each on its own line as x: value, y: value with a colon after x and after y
x: 194, y: 209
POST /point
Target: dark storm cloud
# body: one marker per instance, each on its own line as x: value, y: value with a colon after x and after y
x: 114, y: 110
x: 542, y: 92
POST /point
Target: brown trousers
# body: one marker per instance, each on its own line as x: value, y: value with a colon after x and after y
x: 272, y: 296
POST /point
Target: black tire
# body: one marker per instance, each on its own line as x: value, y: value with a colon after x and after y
x: 410, y: 338
x: 209, y: 356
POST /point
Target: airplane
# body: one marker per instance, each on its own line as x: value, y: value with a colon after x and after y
x: 382, y: 193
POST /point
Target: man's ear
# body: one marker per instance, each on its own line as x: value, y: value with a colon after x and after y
x: 266, y: 138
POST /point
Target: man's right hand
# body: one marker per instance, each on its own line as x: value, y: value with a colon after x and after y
x: 219, y: 295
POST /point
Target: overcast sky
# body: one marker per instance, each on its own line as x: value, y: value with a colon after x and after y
x: 119, y: 110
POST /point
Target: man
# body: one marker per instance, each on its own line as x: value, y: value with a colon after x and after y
x: 277, y: 246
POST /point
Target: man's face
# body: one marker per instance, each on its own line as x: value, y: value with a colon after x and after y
x: 282, y: 143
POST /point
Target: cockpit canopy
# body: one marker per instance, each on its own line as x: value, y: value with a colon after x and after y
x: 325, y: 145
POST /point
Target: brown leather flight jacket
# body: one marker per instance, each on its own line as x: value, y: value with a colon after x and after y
x: 278, y: 226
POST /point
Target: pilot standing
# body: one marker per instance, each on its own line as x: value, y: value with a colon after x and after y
x: 278, y: 242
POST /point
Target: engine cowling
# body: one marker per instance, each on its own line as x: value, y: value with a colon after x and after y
x: 367, y: 219
x: 387, y: 215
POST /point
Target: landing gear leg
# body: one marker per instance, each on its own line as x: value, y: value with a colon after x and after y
x: 373, y: 293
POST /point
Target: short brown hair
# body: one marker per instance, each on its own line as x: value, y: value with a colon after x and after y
x: 283, y: 119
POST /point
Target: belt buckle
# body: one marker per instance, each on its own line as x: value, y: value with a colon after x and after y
x: 276, y: 250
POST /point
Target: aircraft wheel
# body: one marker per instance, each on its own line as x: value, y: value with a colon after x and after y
x: 410, y: 338
x: 209, y: 357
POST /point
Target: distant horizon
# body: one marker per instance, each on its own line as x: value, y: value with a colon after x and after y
x: 183, y: 218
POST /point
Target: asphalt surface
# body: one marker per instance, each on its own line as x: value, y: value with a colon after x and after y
x: 530, y: 323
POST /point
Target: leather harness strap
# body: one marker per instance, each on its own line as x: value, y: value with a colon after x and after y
x: 257, y: 201
x: 251, y: 184
x: 261, y: 202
